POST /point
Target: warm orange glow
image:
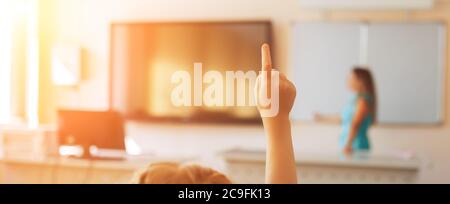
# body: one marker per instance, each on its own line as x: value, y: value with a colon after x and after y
x: 5, y: 61
x: 32, y: 65
x: 11, y: 13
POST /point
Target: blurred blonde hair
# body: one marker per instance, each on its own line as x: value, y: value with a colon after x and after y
x: 173, y: 173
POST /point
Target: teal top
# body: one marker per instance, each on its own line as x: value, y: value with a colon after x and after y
x: 361, y: 141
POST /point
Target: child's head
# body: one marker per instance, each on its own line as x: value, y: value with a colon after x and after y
x: 173, y: 173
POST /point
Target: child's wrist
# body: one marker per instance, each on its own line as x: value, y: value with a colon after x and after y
x: 279, y: 117
x: 279, y: 121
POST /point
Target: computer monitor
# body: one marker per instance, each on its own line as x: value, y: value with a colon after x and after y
x: 104, y: 130
x: 145, y: 55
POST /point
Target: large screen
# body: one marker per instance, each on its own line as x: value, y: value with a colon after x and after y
x: 145, y: 56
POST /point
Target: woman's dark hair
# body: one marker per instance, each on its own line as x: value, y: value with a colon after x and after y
x: 366, y: 78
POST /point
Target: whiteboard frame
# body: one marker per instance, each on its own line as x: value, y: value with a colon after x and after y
x: 444, y: 64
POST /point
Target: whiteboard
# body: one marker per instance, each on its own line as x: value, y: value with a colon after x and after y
x: 406, y: 59
x: 323, y: 55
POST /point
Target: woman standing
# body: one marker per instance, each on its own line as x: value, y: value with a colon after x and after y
x: 360, y: 113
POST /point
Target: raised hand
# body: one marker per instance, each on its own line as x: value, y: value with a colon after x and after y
x: 280, y: 159
x: 286, y: 89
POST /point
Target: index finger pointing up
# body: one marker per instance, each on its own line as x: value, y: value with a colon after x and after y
x: 266, y: 58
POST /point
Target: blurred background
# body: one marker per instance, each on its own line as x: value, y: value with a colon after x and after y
x: 85, y: 86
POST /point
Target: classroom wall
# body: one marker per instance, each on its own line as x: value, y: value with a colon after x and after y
x: 86, y: 23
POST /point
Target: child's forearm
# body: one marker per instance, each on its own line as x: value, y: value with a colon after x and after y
x: 280, y: 161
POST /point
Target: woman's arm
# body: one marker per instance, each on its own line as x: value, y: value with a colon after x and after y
x: 280, y: 160
x: 362, y: 109
x: 318, y: 117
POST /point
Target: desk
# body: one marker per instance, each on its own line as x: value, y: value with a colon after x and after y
x: 24, y: 160
x: 241, y: 166
x: 57, y: 170
x: 249, y: 167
